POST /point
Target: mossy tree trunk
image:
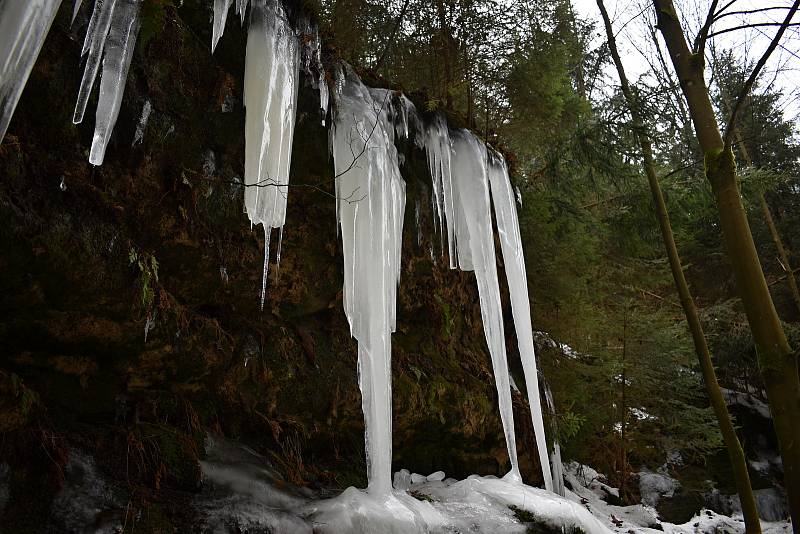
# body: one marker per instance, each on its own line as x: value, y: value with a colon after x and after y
x: 776, y: 360
x: 735, y: 452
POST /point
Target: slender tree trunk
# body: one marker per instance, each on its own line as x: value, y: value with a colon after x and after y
x: 777, y: 361
x: 782, y: 254
x: 734, y: 447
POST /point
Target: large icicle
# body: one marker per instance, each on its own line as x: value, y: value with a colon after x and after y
x: 511, y: 244
x: 221, y: 8
x: 270, y: 99
x: 23, y: 28
x: 371, y: 202
x: 475, y: 246
x: 119, y: 46
x: 93, y: 44
x: 438, y: 147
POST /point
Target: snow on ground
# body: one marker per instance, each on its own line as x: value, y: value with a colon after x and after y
x: 246, y: 495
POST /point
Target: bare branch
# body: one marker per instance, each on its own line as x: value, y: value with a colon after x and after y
x: 702, y: 36
x: 756, y: 25
x: 731, y: 127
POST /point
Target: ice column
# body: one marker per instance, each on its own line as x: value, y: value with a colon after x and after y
x: 475, y: 247
x: 120, y: 43
x: 371, y: 202
x: 462, y: 169
x: 511, y: 245
x: 270, y: 99
x: 23, y: 28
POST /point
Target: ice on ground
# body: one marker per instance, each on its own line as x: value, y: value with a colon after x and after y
x: 23, y: 28
x: 475, y: 505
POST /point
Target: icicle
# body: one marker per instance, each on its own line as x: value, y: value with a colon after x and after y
x: 371, y: 200
x: 555, y: 456
x: 23, y: 28
x: 75, y: 10
x: 241, y: 8
x: 278, y: 257
x: 99, y: 27
x: 267, y: 233
x: 416, y: 223
x: 438, y: 146
x: 511, y: 246
x: 475, y: 238
x: 270, y: 98
x: 138, y: 136
x: 118, y: 55
x: 221, y: 8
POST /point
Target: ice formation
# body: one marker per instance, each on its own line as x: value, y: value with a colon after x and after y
x: 474, y: 245
x: 270, y: 99
x: 371, y: 202
x: 221, y: 8
x: 463, y: 169
x: 110, y: 40
x: 370, y: 190
x: 556, y: 464
x: 511, y: 246
x: 23, y: 28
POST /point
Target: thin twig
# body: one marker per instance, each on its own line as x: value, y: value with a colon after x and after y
x: 756, y: 71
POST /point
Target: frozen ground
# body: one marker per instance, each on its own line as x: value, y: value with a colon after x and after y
x: 245, y: 496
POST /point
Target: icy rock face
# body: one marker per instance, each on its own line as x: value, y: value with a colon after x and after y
x: 23, y: 28
x: 110, y: 39
x: 270, y: 100
x: 312, y: 63
x: 371, y: 202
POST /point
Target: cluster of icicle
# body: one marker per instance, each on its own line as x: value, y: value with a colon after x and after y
x: 370, y: 190
x: 110, y: 41
x: 371, y: 202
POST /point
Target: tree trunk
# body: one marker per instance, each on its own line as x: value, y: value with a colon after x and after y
x: 735, y: 452
x: 777, y: 361
x: 782, y: 254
